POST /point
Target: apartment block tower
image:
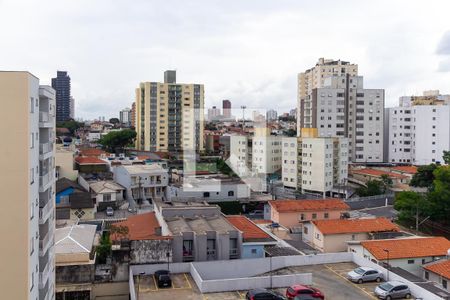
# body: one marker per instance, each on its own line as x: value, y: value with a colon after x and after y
x: 314, y: 164
x: 125, y: 116
x: 64, y: 101
x: 418, y: 130
x: 226, y: 107
x: 333, y: 100
x: 27, y: 220
x: 169, y: 115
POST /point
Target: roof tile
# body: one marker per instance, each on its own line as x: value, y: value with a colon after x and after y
x: 250, y: 230
x: 441, y: 268
x: 309, y: 205
x: 355, y: 225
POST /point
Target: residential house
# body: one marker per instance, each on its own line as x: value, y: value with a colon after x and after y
x: 367, y: 174
x: 293, y: 213
x: 409, y: 254
x: 64, y: 163
x: 439, y: 272
x: 73, y: 201
x: 254, y: 239
x: 106, y: 193
x: 90, y: 164
x: 75, y: 261
x: 143, y: 240
x: 332, y: 235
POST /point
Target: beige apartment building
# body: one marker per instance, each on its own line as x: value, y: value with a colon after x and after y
x: 169, y: 115
x: 27, y: 128
x: 315, y: 78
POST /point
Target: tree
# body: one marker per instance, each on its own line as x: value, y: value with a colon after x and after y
x: 104, y: 248
x: 424, y: 176
x: 224, y: 168
x: 374, y: 187
x: 115, y: 141
x: 446, y: 157
x: 71, y: 125
x: 119, y: 230
x: 439, y: 195
x: 411, y: 206
x: 387, y: 182
x: 114, y: 121
x: 290, y: 132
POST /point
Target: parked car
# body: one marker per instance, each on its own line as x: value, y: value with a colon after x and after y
x: 298, y: 290
x: 263, y: 294
x: 362, y: 274
x: 306, y: 297
x: 163, y: 279
x: 109, y: 211
x: 393, y: 290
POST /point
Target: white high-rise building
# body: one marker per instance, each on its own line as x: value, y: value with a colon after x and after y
x: 27, y: 223
x: 314, y: 164
x: 266, y: 152
x: 240, y: 154
x: 271, y: 115
x: 213, y: 113
x: 125, y: 116
x: 333, y: 100
x: 418, y: 130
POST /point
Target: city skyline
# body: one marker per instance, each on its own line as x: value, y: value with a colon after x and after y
x: 261, y: 48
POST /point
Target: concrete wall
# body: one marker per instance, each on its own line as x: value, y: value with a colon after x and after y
x: 292, y: 219
x: 75, y: 274
x: 150, y: 251
x: 252, y: 251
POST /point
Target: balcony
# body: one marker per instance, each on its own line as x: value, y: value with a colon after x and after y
x: 45, y: 148
x: 47, y: 240
x: 234, y: 253
x: 44, y: 274
x: 44, y: 117
x: 46, y: 211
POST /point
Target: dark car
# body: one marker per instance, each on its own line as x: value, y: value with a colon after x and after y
x: 163, y: 279
x: 300, y: 290
x: 263, y: 294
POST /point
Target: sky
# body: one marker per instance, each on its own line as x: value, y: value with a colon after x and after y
x: 248, y: 51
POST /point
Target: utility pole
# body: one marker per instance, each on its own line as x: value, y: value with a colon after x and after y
x: 243, y: 116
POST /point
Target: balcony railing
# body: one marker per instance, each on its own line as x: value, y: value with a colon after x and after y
x: 45, y: 148
x: 45, y: 242
x: 44, y: 116
x: 45, y: 211
x: 43, y: 276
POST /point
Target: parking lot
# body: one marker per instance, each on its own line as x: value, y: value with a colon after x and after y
x: 330, y: 279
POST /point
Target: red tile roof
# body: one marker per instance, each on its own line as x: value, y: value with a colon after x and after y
x: 378, y: 173
x: 355, y: 225
x: 408, y: 248
x: 89, y: 160
x: 261, y: 221
x: 91, y: 152
x: 309, y: 205
x: 140, y: 227
x: 250, y: 230
x: 405, y: 169
x: 441, y: 268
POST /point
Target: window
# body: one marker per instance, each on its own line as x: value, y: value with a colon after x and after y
x: 230, y: 193
x: 32, y: 176
x: 106, y: 197
x: 253, y: 251
x: 32, y: 140
x: 314, y: 216
x: 302, y: 217
x: 427, y: 275
x: 32, y: 210
x: 31, y: 105
x: 410, y: 261
x: 206, y: 194
x: 32, y: 245
x: 326, y: 215
x: 444, y: 283
x: 305, y: 230
x: 318, y: 236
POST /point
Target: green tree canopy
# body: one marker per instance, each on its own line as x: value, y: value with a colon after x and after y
x: 115, y: 141
x: 408, y: 203
x: 439, y: 195
x: 424, y: 176
x: 71, y: 125
x: 374, y: 187
x: 446, y: 157
x: 114, y: 121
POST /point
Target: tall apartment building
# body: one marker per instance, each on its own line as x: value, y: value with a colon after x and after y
x: 133, y: 114
x: 125, y: 116
x: 27, y: 221
x: 418, y: 130
x: 332, y: 98
x: 271, y: 115
x: 226, y: 107
x: 241, y: 154
x: 64, y: 102
x: 314, y: 164
x: 169, y: 115
x: 213, y: 113
x: 266, y: 152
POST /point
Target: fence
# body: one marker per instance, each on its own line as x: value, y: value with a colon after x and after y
x: 370, y: 201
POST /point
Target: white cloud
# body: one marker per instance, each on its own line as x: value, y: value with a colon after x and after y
x: 246, y: 51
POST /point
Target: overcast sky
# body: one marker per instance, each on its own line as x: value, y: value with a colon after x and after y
x: 248, y: 51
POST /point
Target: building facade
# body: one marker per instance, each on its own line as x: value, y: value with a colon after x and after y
x: 213, y: 113
x: 226, y: 107
x: 332, y: 98
x: 125, y: 116
x: 314, y: 164
x: 169, y: 115
x: 64, y: 101
x: 266, y: 156
x: 419, y: 129
x: 28, y: 160
x: 271, y: 115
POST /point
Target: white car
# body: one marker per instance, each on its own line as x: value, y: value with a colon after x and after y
x: 362, y: 274
x: 393, y: 290
x: 109, y: 211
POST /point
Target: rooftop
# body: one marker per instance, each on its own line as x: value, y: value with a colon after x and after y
x: 309, y: 205
x: 355, y: 225
x: 440, y: 267
x: 140, y: 227
x: 89, y: 160
x: 378, y: 173
x: 250, y: 231
x: 408, y: 248
x: 91, y: 152
x: 139, y: 169
x: 405, y: 169
x: 199, y: 224
x: 74, y: 239
x: 105, y: 187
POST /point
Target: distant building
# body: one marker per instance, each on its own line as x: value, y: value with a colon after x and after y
x: 133, y: 114
x: 271, y: 115
x: 169, y: 115
x: 333, y: 100
x: 293, y: 113
x: 125, y: 116
x: 72, y: 108
x: 266, y: 156
x: 64, y: 103
x: 418, y: 130
x: 226, y: 107
x: 213, y: 113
